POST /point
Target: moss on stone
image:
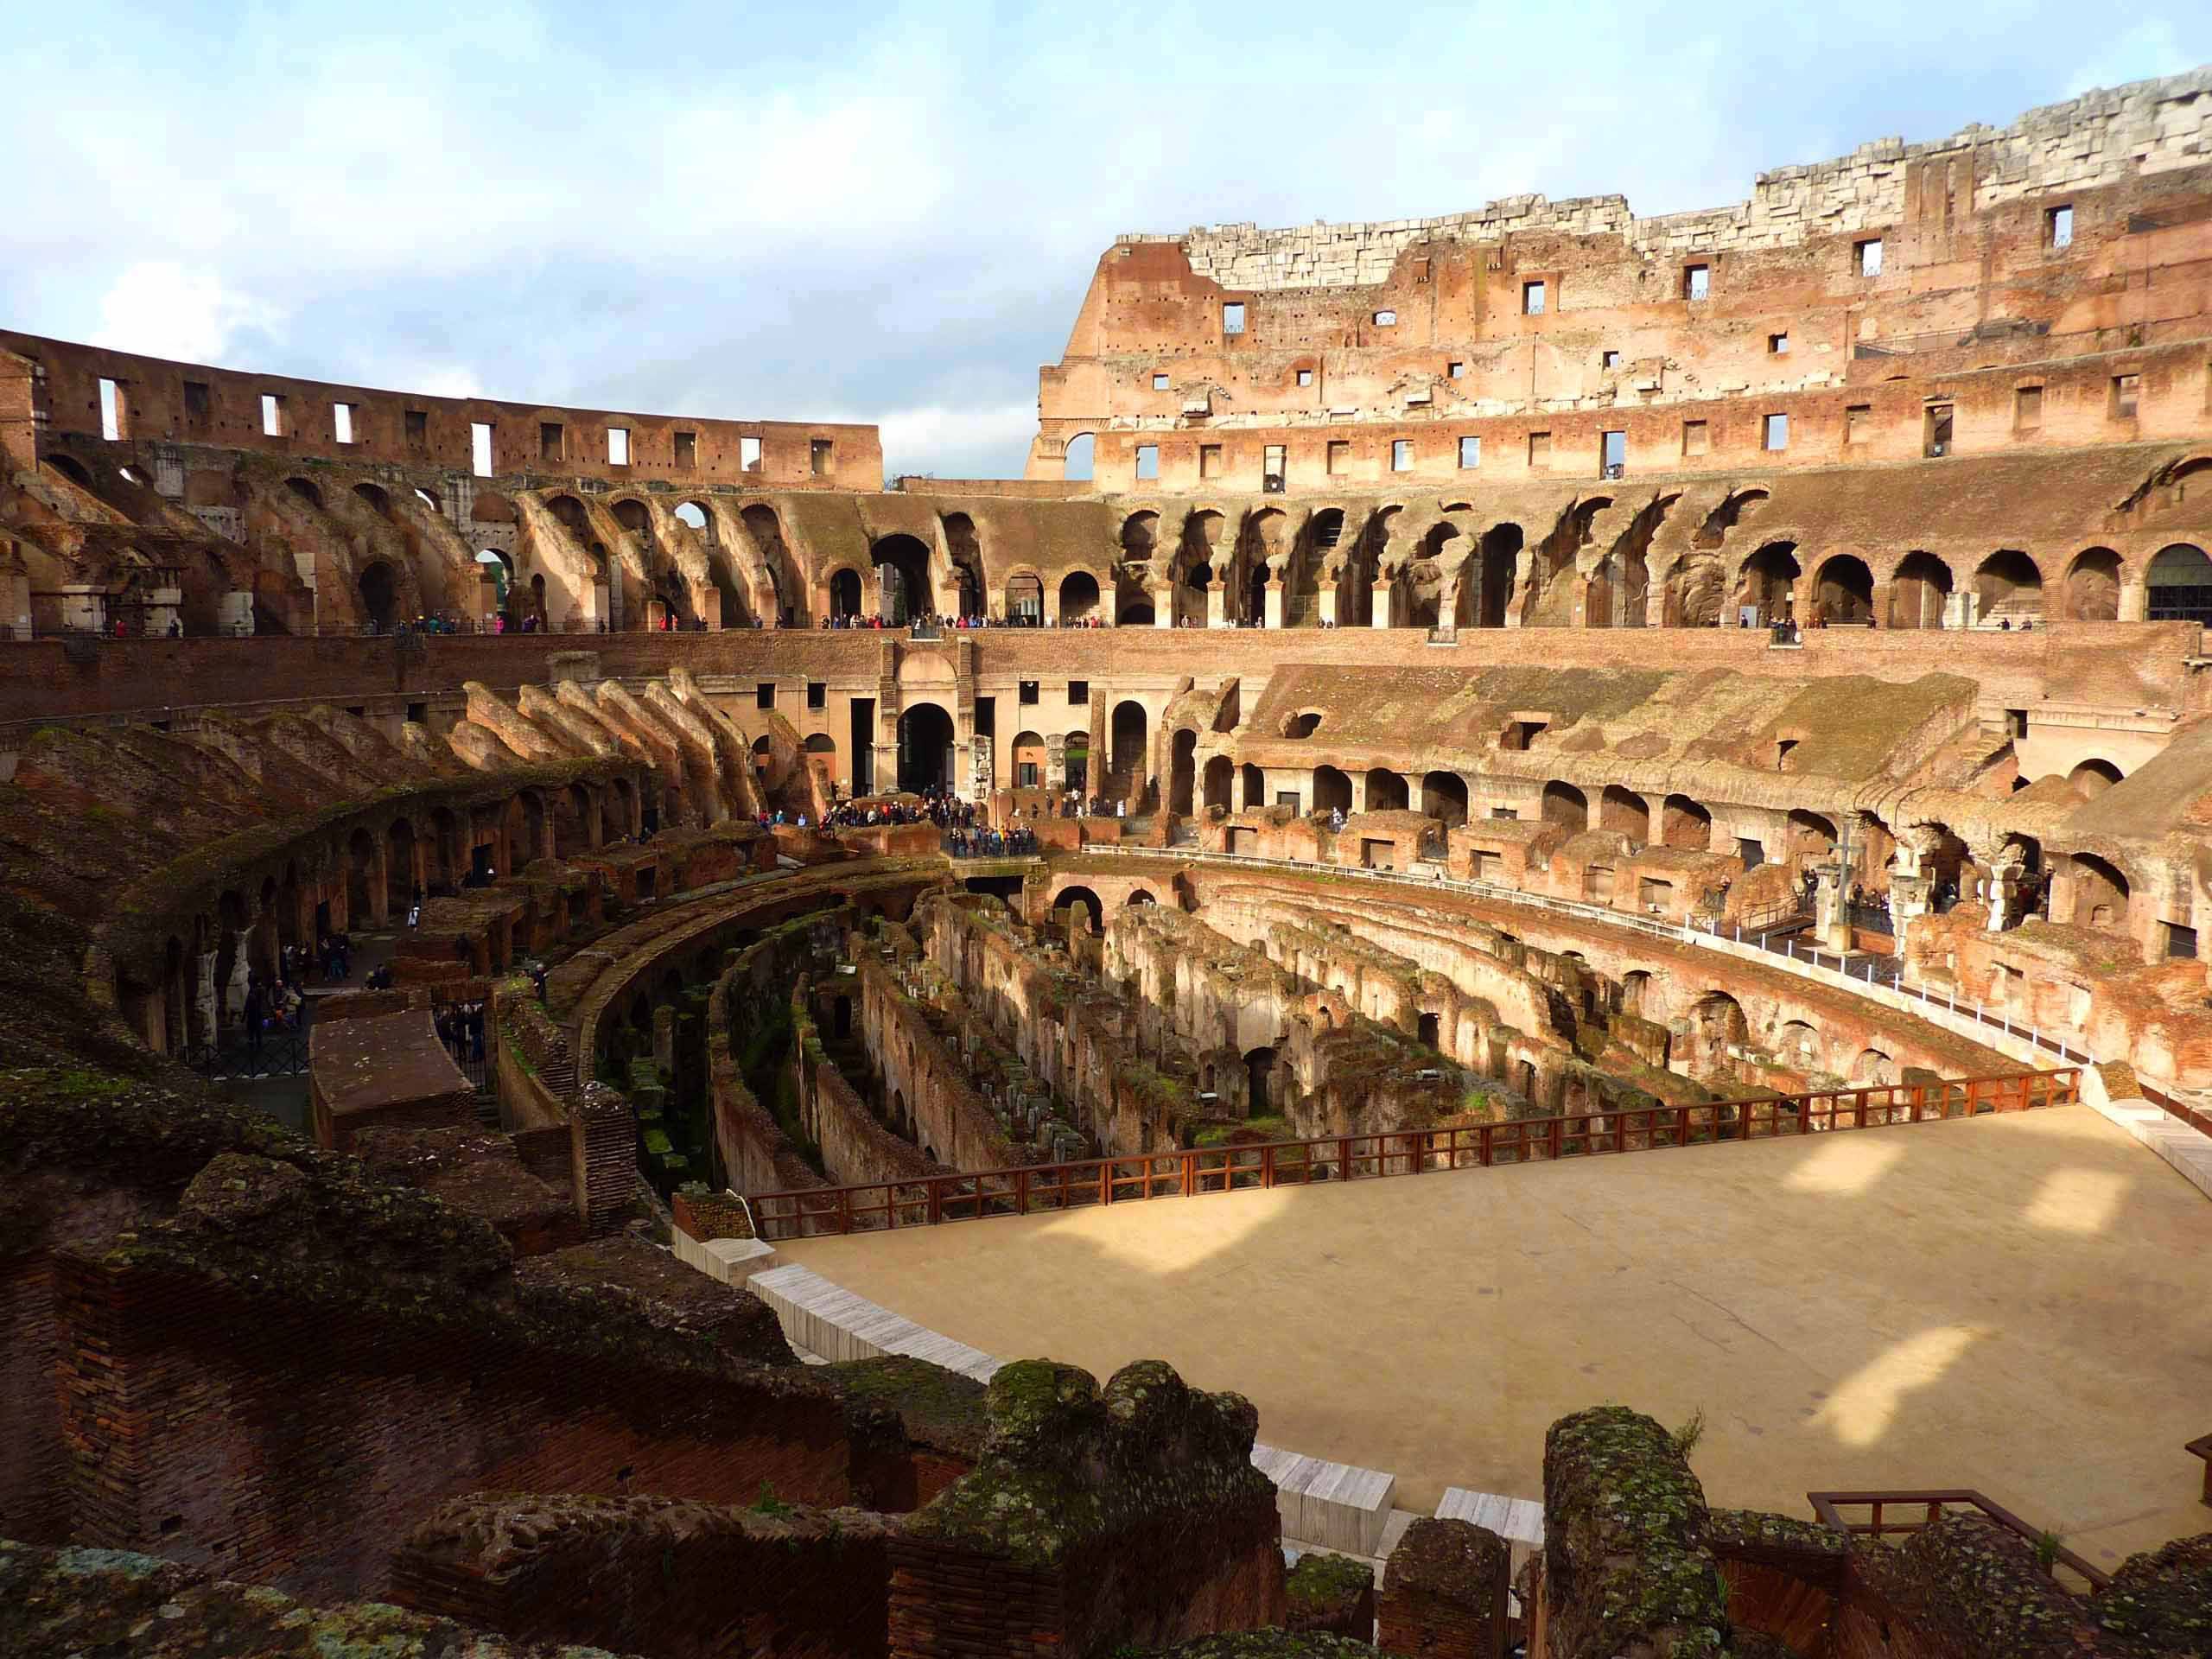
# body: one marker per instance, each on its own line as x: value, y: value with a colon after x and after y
x: 1321, y: 1583
x: 939, y: 1408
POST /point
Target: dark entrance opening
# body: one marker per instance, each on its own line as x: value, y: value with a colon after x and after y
x: 1259, y: 1065
x: 925, y: 748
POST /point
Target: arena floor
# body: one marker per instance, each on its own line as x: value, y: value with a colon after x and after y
x: 2020, y: 1304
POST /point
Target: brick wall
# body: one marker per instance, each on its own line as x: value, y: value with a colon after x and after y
x: 1443, y: 1590
x: 652, y: 1576
x: 295, y: 1445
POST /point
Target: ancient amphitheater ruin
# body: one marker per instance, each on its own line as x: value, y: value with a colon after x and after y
x: 599, y: 1010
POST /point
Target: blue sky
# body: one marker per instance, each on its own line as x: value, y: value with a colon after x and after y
x: 875, y: 214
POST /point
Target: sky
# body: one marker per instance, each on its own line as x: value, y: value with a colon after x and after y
x: 880, y: 212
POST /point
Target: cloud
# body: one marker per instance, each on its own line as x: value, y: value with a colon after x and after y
x: 160, y: 308
x: 936, y: 437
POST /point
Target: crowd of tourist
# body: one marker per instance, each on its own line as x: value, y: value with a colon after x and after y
x: 1021, y: 619
x: 986, y: 842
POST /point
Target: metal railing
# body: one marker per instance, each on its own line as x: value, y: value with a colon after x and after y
x: 933, y: 1200
x: 233, y: 1059
x: 1923, y: 1509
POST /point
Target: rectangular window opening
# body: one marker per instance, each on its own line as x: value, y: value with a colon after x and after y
x: 2059, y: 226
x: 1938, y: 433
x: 1160, y: 382
x: 1208, y: 461
x: 1697, y: 281
x: 1777, y: 432
x: 818, y: 695
x: 618, y: 446
x: 1777, y: 345
x: 1386, y: 319
x: 342, y: 422
x: 111, y: 411
x: 748, y: 454
x: 1305, y: 377
x: 1079, y: 693
x: 1402, y: 454
x: 1271, y: 469
x: 1471, y: 452
x: 1697, y: 438
x: 1232, y: 318
x: 1456, y: 371
x: 2027, y: 408
x: 479, y: 448
x: 817, y: 456
x: 551, y: 441
x: 687, y: 450
x: 1859, y: 423
x: 1609, y: 360
x: 1339, y: 458
x: 1869, y: 257
x: 1540, y: 449
x: 1147, y: 461
x: 272, y: 415
x: 1532, y: 299
x: 1612, y: 455
x: 2125, y: 391
x: 1028, y: 692
x: 763, y: 694
x: 417, y: 422
x: 199, y: 407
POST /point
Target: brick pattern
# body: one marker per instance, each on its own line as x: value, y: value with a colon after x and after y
x: 1444, y: 1593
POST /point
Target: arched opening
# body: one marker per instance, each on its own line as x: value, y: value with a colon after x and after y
x: 399, y: 867
x: 1843, y: 592
x: 377, y: 500
x: 1428, y: 1029
x: 902, y: 571
x: 1566, y: 805
x: 379, y: 586
x: 537, y: 598
x: 1797, y: 1044
x: 1221, y: 772
x: 1685, y: 825
x: 1075, y: 756
x: 1636, y: 987
x: 1138, y: 896
x: 1874, y: 1068
x: 1024, y: 600
x: 924, y: 749
x: 1812, y: 839
x: 1484, y: 600
x: 1182, y: 772
x: 305, y: 490
x: 1255, y: 596
x: 845, y: 595
x: 1625, y: 811
x: 2099, y: 894
x: 2008, y: 589
x: 2092, y: 586
x: 360, y: 876
x: 1128, y: 759
x: 1331, y: 791
x: 1259, y: 1079
x: 1078, y: 596
x: 1386, y: 790
x: 1919, y: 591
x: 2180, y: 580
x: 694, y: 516
x: 2093, y: 776
x: 1084, y: 900
x: 1078, y: 459
x: 1444, y: 797
x: 1254, y: 781
x: 1769, y: 582
x: 965, y: 550
x: 1717, y: 1025
x: 71, y: 468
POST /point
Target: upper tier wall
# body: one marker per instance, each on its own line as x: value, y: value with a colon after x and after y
x: 55, y: 389
x: 2103, y: 138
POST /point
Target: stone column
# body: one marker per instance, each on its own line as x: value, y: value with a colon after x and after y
x: 2134, y: 601
x: 1272, y: 613
x: 1378, y: 604
x: 1163, y: 605
x: 1831, y: 906
x: 1056, y: 762
x: 1328, y: 604
x: 1912, y: 884
x: 1216, y: 604
x: 206, y: 1012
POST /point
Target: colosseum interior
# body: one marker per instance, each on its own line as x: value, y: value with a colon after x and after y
x: 585, y: 991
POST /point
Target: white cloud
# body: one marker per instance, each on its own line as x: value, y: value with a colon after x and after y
x: 932, y: 436
x: 161, y: 309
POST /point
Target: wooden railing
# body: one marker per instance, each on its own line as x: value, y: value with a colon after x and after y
x: 1890, y: 1514
x: 930, y: 1200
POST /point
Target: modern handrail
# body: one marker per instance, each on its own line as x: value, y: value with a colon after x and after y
x: 929, y: 1200
x: 1828, y: 1508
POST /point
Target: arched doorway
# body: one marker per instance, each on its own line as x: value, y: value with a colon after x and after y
x: 2093, y: 587
x: 1626, y: 812
x: 1386, y: 790
x: 2093, y: 776
x: 1024, y: 600
x: 1128, y: 757
x: 845, y: 595
x: 1076, y: 458
x: 380, y: 595
x: 2180, y: 580
x: 1182, y: 773
x: 1919, y: 591
x: 1258, y: 1076
x: 1843, y: 593
x: 2008, y: 587
x: 1331, y: 791
x: 902, y: 571
x: 1484, y: 600
x: 1220, y: 776
x: 925, y: 748
x: 2101, y: 894
x: 1770, y: 582
x: 1078, y: 596
x: 1684, y: 824
x: 1566, y: 805
x: 1444, y: 797
x: 1080, y: 898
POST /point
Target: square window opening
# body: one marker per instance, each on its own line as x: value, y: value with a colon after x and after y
x: 748, y: 454
x: 1869, y: 257
x: 1160, y: 382
x: 1305, y: 377
x: 1612, y: 455
x: 1079, y: 693
x: 1857, y: 423
x: 1471, y: 452
x: 1777, y: 432
x: 763, y: 694
x: 1455, y: 370
x: 1339, y: 458
x: 1609, y: 360
x: 1697, y: 438
x: 1386, y: 319
x: 417, y: 422
x: 1540, y: 449
x: 1777, y: 345
x: 1533, y: 296
x: 2027, y: 408
x: 1232, y: 318
x: 818, y: 695
x: 1402, y: 454
x: 199, y: 406
x: 1209, y: 460
x: 1028, y: 692
x: 2059, y: 226
x: 1697, y: 281
x: 1938, y: 430
x: 618, y: 446
x: 1147, y: 461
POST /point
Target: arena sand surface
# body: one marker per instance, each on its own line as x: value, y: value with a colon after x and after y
x: 2020, y: 1304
